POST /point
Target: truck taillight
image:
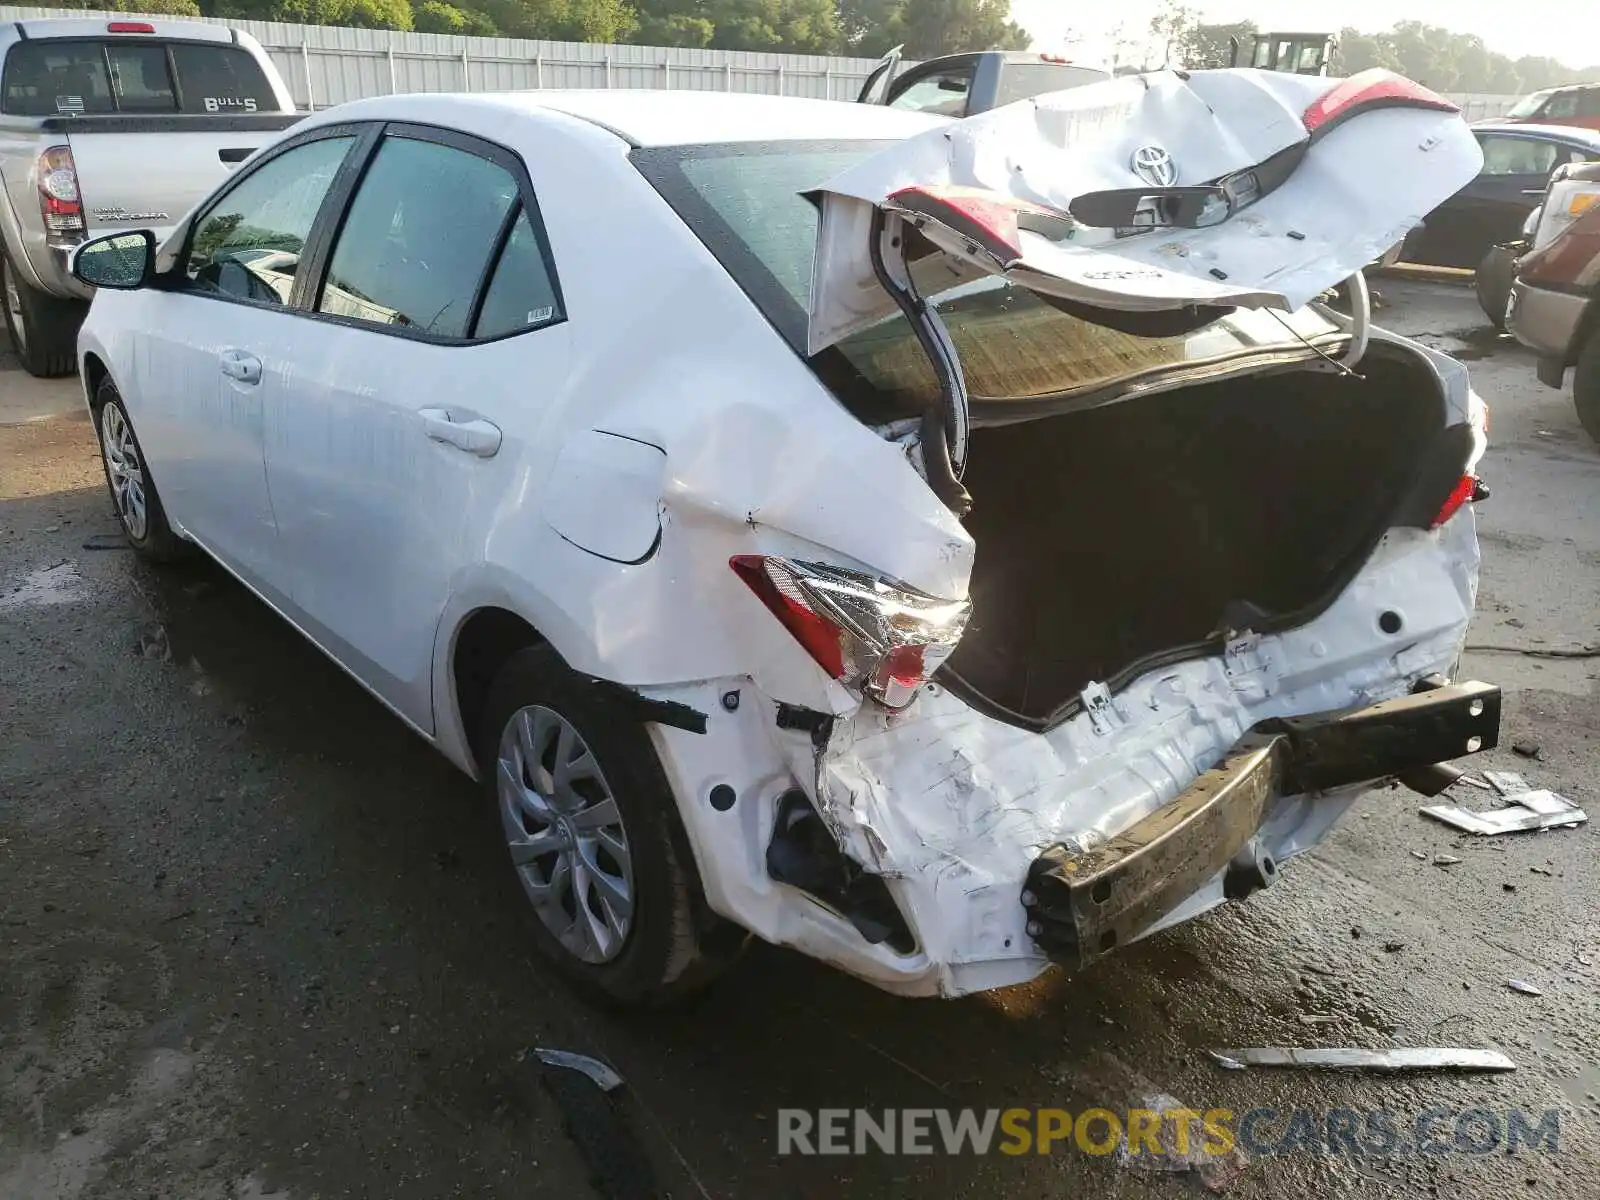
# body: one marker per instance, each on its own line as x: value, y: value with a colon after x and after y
x: 1365, y: 91
x: 883, y: 638
x: 1564, y: 202
x: 59, y: 201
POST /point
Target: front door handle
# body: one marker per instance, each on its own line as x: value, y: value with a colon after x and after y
x: 241, y: 365
x: 476, y: 436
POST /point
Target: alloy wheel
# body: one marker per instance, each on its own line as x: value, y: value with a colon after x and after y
x: 565, y: 834
x: 126, y: 470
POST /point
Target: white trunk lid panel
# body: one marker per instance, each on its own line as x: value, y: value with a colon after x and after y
x: 1355, y: 193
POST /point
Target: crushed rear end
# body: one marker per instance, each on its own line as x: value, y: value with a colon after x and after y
x: 1178, y: 615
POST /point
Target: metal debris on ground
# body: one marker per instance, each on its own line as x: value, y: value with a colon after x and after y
x: 603, y: 1076
x: 1525, y: 810
x: 1527, y: 989
x: 1419, y: 854
x: 1507, y: 783
x: 1445, y: 860
x: 1477, y: 783
x: 1181, y: 1150
x: 1344, y: 1058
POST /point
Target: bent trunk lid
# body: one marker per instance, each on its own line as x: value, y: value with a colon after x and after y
x: 1023, y: 193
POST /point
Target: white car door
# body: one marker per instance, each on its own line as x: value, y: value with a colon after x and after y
x: 436, y: 330
x: 207, y: 345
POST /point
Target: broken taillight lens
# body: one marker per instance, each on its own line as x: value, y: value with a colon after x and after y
x: 1365, y: 91
x: 884, y: 638
x: 1466, y: 488
x: 59, y: 202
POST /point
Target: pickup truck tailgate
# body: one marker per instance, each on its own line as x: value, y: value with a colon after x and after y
x: 147, y: 172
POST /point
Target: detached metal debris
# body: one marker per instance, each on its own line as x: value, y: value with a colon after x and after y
x: 1345, y: 1058
x: 1526, y: 808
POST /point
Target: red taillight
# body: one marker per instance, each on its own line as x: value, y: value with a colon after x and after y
x: 1465, y: 489
x: 1367, y: 90
x: 992, y: 221
x: 820, y: 636
x: 130, y: 27
x: 59, y: 201
x: 1057, y: 58
x: 884, y: 638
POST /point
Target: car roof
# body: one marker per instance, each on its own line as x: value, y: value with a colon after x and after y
x: 661, y: 118
x: 1543, y: 133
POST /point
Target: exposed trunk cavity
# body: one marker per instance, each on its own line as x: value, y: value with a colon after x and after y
x: 1109, y: 538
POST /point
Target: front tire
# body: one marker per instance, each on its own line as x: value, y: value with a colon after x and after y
x: 43, y: 328
x: 133, y: 493
x: 595, y: 840
x: 1586, y: 386
x: 1492, y: 282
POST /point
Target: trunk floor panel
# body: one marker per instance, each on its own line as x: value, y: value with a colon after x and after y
x: 1110, y: 536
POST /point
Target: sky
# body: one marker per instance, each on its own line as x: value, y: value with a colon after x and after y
x: 1568, y: 30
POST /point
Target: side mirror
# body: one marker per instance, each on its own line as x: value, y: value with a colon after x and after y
x: 123, y: 261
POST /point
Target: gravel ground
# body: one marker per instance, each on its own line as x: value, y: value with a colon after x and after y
x: 256, y: 940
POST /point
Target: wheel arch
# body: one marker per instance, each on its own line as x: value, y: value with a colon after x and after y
x: 480, y: 644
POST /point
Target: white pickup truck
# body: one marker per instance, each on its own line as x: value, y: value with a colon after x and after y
x: 112, y: 124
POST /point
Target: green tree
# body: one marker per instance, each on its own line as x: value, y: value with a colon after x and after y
x: 155, y: 8
x: 1206, y: 46
x: 362, y: 14
x: 932, y: 27
x: 435, y: 16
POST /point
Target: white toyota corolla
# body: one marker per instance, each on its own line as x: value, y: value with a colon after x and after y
x: 942, y: 547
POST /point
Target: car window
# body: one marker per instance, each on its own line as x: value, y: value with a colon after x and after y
x: 1528, y: 105
x: 51, y: 78
x: 1018, y: 81
x: 418, y: 237
x: 221, y: 79
x: 1518, y: 156
x: 746, y: 203
x: 1562, y: 104
x: 1589, y: 103
x: 521, y: 293
x: 944, y: 93
x: 248, y: 245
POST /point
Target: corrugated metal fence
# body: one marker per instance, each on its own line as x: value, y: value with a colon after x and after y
x: 325, y: 65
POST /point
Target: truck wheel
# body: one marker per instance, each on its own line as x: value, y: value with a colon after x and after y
x: 1492, y: 281
x: 1586, y: 386
x: 43, y: 328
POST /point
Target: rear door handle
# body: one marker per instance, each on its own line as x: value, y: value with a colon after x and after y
x: 476, y: 436
x: 241, y: 365
x: 1533, y: 191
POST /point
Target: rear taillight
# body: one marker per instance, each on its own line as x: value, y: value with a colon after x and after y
x: 881, y: 637
x: 59, y: 201
x: 1365, y: 91
x: 1465, y: 489
x: 1564, y: 202
x: 130, y: 27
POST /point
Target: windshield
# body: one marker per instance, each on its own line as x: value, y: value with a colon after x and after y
x: 1528, y: 105
x: 744, y: 201
x: 73, y: 78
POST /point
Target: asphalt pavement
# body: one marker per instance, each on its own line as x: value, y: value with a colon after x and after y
x: 256, y: 940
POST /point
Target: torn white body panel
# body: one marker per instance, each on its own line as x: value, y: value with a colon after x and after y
x: 1355, y: 194
x: 951, y: 806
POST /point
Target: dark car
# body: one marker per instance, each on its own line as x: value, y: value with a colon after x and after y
x: 1555, y: 303
x: 1490, y: 211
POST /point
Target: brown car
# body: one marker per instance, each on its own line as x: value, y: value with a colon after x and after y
x: 1554, y: 307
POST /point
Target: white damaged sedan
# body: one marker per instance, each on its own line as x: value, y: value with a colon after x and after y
x: 945, y: 548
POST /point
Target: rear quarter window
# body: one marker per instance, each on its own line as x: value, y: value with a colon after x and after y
x: 43, y: 78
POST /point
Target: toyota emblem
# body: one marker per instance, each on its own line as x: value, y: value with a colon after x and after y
x: 1155, y: 166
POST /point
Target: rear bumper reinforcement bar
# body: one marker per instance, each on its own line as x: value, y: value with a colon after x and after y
x: 1083, y: 905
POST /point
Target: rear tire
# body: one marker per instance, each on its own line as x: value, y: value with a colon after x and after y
x: 43, y: 328
x: 1492, y: 282
x: 133, y: 493
x: 610, y: 832
x: 1586, y: 386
